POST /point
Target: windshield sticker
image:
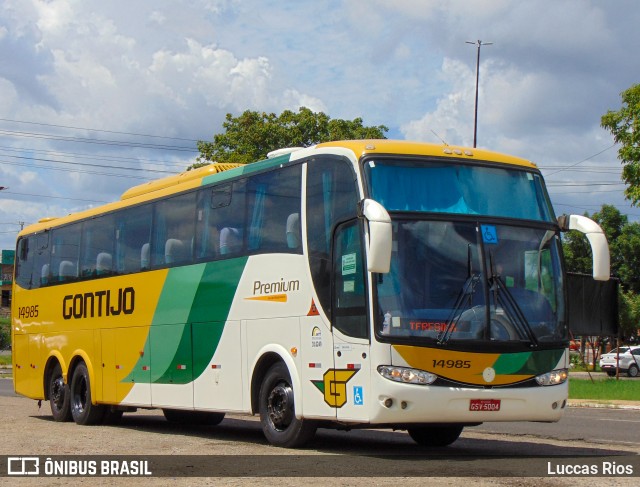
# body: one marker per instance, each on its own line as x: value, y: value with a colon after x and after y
x: 349, y: 286
x: 316, y: 337
x: 348, y: 264
x: 489, y: 234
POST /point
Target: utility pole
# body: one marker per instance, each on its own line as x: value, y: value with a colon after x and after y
x: 478, y: 43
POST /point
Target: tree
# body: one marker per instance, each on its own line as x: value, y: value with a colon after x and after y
x: 252, y: 135
x: 624, y: 125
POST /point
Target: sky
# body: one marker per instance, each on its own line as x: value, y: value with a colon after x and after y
x: 96, y: 97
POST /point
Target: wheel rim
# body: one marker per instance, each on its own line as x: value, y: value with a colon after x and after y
x: 58, y: 392
x: 80, y: 396
x: 280, y: 406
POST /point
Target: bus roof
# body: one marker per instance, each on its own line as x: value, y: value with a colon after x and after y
x: 207, y: 174
x: 386, y: 146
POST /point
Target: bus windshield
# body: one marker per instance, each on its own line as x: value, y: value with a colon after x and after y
x: 452, y: 281
x: 449, y: 187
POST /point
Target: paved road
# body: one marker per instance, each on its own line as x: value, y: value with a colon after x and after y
x: 594, y: 425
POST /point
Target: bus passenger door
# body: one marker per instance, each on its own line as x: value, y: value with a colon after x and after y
x: 351, y: 384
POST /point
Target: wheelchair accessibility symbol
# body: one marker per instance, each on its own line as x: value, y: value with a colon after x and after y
x: 358, y: 397
x: 489, y: 234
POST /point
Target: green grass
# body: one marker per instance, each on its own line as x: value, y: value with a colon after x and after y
x: 608, y: 389
x: 5, y: 359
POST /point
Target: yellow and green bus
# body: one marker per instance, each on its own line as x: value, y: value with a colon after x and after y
x: 372, y: 283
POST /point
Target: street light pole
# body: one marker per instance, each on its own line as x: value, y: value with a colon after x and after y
x: 478, y: 43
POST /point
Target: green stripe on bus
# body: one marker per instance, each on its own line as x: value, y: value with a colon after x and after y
x: 189, y: 320
x: 527, y: 363
x: 246, y: 169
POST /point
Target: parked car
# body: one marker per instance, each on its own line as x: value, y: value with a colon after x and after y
x: 629, y: 361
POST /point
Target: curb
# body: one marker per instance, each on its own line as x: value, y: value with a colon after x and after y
x: 584, y: 403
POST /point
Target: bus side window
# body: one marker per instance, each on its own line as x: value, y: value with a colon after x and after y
x: 97, y: 247
x: 273, y: 197
x: 25, y: 262
x: 133, y: 232
x: 221, y: 232
x: 65, y: 252
x: 174, y: 230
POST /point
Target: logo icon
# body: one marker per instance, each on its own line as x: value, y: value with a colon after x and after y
x: 334, y: 386
x: 358, y: 396
x: 23, y: 466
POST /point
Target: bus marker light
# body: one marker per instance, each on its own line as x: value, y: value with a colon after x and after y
x: 294, y: 351
x: 315, y: 366
x: 146, y: 367
x: 216, y: 366
x: 181, y: 367
x: 353, y: 366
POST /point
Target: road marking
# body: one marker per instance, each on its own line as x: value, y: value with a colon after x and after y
x: 619, y: 420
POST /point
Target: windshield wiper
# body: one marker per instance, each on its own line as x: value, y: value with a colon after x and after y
x: 466, y: 294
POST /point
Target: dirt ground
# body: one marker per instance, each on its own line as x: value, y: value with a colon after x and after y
x: 28, y: 430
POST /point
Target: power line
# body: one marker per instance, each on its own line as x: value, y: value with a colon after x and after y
x: 583, y: 160
x: 86, y: 140
x: 85, y: 155
x: 80, y: 171
x: 90, y: 165
x: 586, y: 184
x: 98, y: 130
x: 55, y: 197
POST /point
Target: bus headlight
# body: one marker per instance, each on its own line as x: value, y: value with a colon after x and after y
x: 553, y: 378
x: 406, y: 375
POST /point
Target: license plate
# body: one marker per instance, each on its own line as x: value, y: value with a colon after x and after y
x: 484, y: 405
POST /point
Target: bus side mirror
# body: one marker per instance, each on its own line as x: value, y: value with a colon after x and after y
x: 380, y: 236
x: 597, y: 240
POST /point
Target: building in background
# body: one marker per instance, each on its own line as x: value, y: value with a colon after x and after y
x: 7, y: 258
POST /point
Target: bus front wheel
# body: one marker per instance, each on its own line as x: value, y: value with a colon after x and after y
x: 435, y: 435
x: 277, y: 411
x: 58, y: 393
x: 82, y: 411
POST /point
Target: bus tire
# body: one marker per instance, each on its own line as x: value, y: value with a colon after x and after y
x: 277, y: 410
x: 82, y: 411
x: 435, y: 435
x: 192, y: 417
x: 59, y: 394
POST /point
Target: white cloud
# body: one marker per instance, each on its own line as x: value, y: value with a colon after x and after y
x: 175, y: 68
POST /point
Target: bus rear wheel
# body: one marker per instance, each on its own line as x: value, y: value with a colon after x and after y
x: 277, y: 410
x: 58, y: 393
x: 82, y: 411
x: 435, y: 435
